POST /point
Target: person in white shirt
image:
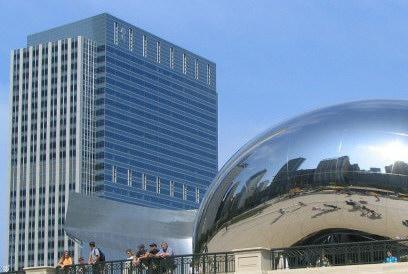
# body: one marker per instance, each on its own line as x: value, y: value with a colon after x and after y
x: 165, y: 250
x: 128, y: 265
x: 94, y: 255
x: 165, y: 254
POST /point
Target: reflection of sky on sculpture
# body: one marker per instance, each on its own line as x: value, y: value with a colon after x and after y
x: 388, y: 151
x: 354, y: 133
x: 368, y: 149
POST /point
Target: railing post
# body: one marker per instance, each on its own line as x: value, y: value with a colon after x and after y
x: 204, y: 263
x: 226, y: 263
x: 192, y: 264
x: 272, y: 260
x: 358, y: 256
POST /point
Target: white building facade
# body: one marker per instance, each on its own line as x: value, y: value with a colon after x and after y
x: 52, y: 143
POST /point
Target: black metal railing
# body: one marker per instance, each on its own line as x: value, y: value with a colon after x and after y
x: 183, y: 264
x: 339, y: 254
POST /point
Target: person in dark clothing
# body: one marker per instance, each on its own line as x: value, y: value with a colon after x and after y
x: 153, y: 250
x: 153, y: 259
x: 140, y: 255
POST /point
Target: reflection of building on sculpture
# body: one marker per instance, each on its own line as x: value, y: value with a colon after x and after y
x: 335, y: 171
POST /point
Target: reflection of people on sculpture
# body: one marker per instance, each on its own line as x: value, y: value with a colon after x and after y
x: 390, y: 258
x: 322, y: 261
x: 282, y: 263
x: 365, y: 211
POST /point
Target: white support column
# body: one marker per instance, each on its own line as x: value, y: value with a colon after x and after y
x: 47, y: 156
x: 28, y: 155
x: 78, y: 117
x: 38, y: 155
x: 67, y: 142
x: 57, y: 156
x: 20, y: 99
x: 10, y: 176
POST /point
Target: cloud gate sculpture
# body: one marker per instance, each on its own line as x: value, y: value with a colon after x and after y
x: 336, y: 174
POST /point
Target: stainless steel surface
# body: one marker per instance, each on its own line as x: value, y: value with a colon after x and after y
x: 116, y: 226
x: 336, y: 168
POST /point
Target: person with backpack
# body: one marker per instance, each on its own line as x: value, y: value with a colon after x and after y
x: 96, y: 258
x: 96, y: 255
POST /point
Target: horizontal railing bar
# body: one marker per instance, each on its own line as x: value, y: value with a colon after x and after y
x: 341, y: 244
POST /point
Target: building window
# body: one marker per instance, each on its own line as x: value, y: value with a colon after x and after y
x: 144, y: 46
x: 197, y: 195
x: 158, y: 185
x: 158, y: 52
x: 184, y: 192
x: 130, y: 177
x: 184, y: 63
x: 131, y: 39
x: 144, y: 181
x: 171, y: 189
x: 172, y: 57
x: 114, y: 174
x: 196, y: 69
x: 115, y: 33
x: 208, y: 74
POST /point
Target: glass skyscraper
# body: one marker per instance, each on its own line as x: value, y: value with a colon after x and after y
x: 104, y: 108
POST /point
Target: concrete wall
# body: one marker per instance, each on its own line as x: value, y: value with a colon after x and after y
x: 257, y: 261
x: 350, y: 269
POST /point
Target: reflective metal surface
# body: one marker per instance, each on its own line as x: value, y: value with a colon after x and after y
x: 340, y: 170
x: 117, y: 226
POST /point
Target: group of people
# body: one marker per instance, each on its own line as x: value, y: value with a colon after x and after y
x: 151, y: 258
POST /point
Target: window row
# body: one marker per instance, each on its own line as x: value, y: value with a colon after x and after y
x: 158, y: 184
x: 145, y: 45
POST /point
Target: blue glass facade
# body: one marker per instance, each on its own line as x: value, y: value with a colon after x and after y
x: 155, y: 115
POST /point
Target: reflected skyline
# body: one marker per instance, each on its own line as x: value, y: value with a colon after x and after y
x: 341, y: 168
x: 329, y: 172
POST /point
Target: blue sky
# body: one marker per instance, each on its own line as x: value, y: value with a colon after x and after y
x: 275, y: 59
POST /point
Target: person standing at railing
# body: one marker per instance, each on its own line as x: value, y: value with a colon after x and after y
x: 165, y: 251
x: 128, y: 265
x: 152, y: 258
x: 65, y: 260
x: 167, y: 263
x: 140, y: 255
x: 130, y: 255
x: 96, y: 258
x: 390, y: 258
x: 95, y: 255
